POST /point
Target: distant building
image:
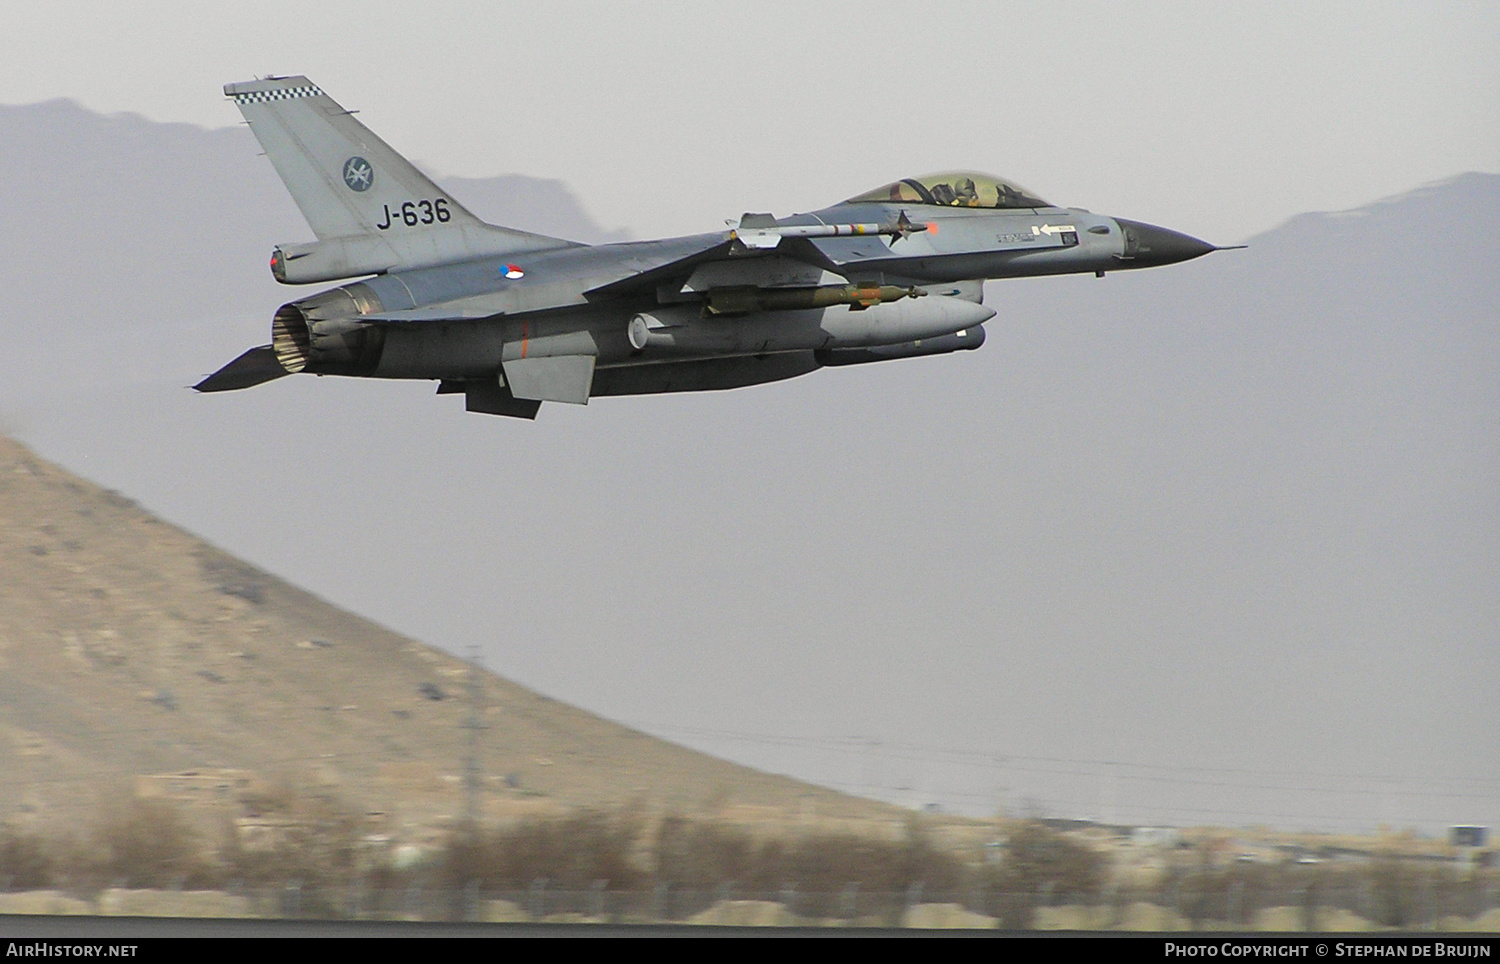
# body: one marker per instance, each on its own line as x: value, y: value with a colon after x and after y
x: 1469, y: 836
x: 1164, y: 837
x: 213, y: 787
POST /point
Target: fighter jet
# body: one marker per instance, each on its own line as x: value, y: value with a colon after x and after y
x: 510, y: 319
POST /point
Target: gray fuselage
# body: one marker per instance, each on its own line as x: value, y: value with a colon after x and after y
x: 462, y: 321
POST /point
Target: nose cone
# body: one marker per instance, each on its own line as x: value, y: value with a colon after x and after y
x: 1147, y: 245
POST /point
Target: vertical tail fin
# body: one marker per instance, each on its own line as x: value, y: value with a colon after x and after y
x: 369, y: 207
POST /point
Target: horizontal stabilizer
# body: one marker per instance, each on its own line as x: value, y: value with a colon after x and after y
x: 250, y: 369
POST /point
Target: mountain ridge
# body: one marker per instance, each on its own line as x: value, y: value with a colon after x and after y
x: 131, y: 649
x: 1270, y: 471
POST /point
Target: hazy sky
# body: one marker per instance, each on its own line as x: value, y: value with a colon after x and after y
x: 1217, y: 119
x: 1084, y: 543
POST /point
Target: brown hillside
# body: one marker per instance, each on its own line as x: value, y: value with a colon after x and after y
x: 129, y: 648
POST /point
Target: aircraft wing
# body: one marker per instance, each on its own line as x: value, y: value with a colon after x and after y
x: 730, y: 263
x: 760, y: 252
x: 757, y: 256
x: 648, y: 277
x: 716, y: 264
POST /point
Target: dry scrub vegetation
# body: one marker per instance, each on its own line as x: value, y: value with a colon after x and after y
x: 641, y: 866
x: 312, y: 857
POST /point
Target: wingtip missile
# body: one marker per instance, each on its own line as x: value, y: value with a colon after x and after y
x: 753, y: 232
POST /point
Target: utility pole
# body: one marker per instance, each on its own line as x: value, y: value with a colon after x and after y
x: 474, y: 724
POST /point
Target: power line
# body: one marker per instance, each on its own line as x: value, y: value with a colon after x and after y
x: 1468, y: 791
x: 925, y: 753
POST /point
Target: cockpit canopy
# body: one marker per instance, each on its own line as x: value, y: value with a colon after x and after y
x: 960, y: 189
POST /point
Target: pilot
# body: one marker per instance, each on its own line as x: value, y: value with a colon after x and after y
x: 967, y: 195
